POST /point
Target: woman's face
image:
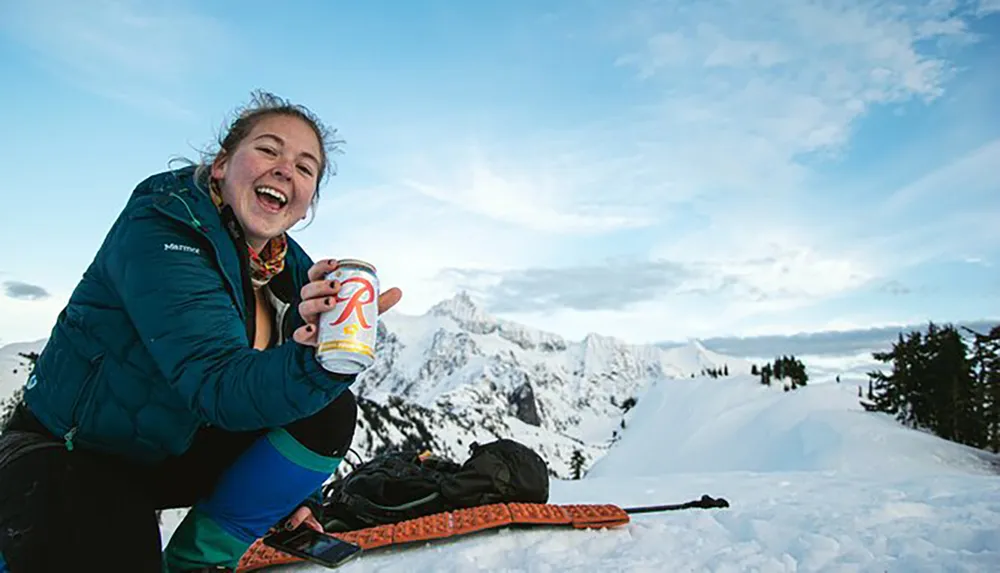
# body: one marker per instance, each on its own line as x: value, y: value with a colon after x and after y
x: 270, y: 178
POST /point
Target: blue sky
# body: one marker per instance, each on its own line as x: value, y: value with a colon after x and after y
x: 649, y: 170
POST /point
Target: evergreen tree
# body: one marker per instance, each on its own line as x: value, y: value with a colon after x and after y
x: 765, y: 375
x: 936, y: 384
x: 984, y: 365
x: 576, y: 464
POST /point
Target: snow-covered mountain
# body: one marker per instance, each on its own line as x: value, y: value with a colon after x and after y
x: 456, y: 375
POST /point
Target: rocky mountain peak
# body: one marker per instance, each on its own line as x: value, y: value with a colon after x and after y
x: 462, y: 308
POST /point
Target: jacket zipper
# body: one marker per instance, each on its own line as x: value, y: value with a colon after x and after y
x: 82, y: 396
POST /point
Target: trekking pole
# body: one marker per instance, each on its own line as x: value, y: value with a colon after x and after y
x: 706, y: 502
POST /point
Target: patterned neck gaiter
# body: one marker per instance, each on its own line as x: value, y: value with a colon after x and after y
x: 271, y: 259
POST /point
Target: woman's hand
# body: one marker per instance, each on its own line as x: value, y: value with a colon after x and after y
x: 303, y: 515
x: 318, y: 297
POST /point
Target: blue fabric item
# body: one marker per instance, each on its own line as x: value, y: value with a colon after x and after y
x: 153, y: 344
x: 3, y: 565
x: 266, y: 483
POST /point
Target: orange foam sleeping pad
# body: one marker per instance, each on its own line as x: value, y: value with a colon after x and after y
x: 451, y: 524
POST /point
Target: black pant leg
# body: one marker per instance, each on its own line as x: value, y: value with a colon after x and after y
x: 183, y: 480
x: 329, y: 432
x: 70, y: 511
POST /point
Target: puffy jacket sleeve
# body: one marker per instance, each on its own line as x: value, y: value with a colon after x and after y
x: 182, y: 310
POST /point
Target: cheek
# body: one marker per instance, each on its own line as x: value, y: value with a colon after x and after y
x: 302, y: 203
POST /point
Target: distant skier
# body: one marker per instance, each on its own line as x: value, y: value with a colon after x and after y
x: 167, y: 380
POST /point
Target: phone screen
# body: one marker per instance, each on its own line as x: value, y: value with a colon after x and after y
x: 314, y: 545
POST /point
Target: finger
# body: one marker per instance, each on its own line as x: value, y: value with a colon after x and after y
x: 300, y: 515
x: 319, y: 288
x: 312, y: 308
x: 307, y: 335
x: 313, y: 523
x: 320, y: 269
x: 388, y: 299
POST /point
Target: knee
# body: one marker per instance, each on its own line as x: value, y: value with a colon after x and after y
x: 329, y: 432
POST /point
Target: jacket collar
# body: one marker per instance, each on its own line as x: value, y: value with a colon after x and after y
x: 179, y: 195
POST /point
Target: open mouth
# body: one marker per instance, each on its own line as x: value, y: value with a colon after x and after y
x: 270, y: 198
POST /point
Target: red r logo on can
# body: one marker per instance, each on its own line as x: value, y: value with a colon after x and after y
x: 365, y: 294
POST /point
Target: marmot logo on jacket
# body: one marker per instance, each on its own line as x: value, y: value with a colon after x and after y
x: 184, y: 248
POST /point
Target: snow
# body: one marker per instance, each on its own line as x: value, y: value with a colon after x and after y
x: 815, y: 484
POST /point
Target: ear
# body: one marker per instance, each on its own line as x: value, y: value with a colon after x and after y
x: 219, y: 164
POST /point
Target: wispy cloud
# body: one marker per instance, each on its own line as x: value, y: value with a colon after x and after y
x: 616, y: 285
x: 829, y: 343
x: 24, y: 291
x: 545, y: 185
x: 711, y: 164
x: 131, y: 51
x: 962, y: 180
x: 987, y: 7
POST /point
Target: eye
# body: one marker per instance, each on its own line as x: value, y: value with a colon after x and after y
x: 268, y: 150
x: 306, y: 169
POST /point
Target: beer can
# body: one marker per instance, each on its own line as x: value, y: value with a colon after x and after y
x: 347, y: 331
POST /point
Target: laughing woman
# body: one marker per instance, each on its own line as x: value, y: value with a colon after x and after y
x: 182, y: 371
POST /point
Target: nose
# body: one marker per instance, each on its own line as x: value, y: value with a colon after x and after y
x: 283, y: 169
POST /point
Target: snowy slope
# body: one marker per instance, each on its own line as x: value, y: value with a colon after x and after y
x: 815, y: 485
x: 697, y: 426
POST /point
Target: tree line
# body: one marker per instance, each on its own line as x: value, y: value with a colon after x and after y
x: 942, y: 381
x: 783, y: 367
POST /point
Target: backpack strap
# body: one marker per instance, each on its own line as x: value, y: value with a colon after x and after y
x: 16, y: 443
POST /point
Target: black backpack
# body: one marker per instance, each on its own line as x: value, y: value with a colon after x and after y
x: 397, y: 486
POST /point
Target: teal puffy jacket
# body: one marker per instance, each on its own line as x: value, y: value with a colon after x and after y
x: 154, y: 342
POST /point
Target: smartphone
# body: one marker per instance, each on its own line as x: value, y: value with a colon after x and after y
x: 307, y: 543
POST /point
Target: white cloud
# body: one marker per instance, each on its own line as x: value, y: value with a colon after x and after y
x: 535, y: 198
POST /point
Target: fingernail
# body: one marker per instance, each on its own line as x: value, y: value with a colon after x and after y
x: 327, y: 301
x: 289, y: 525
x: 334, y: 284
x: 309, y: 328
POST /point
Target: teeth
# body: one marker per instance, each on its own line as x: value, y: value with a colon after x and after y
x: 273, y: 193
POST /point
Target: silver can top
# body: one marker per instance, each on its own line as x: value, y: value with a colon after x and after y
x: 356, y: 263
